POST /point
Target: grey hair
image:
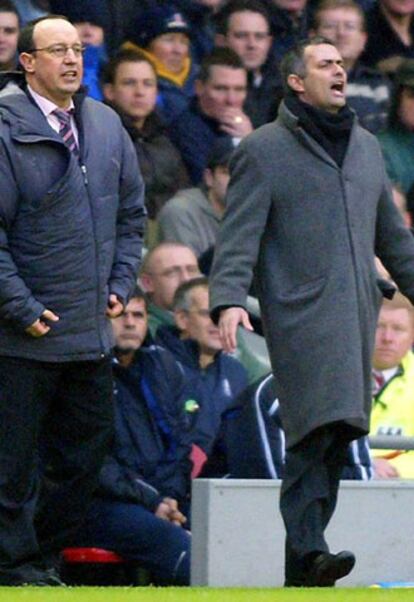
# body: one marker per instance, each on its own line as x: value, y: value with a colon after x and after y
x: 182, y: 297
x: 294, y: 61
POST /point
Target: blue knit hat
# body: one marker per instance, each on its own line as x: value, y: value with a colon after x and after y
x: 155, y: 22
x: 79, y: 11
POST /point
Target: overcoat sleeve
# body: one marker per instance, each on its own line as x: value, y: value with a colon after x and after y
x: 248, y: 202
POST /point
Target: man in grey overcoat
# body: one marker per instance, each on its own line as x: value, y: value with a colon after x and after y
x: 308, y: 207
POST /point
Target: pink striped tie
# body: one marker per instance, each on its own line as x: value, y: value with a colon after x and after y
x: 378, y: 381
x: 66, y: 130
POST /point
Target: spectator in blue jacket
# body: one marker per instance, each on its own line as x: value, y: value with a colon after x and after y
x: 144, y: 485
x: 216, y: 378
x: 163, y: 34
x: 255, y: 440
x: 92, y: 19
x: 217, y: 111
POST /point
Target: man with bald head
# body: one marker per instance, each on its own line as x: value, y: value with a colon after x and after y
x: 164, y: 268
x: 71, y: 225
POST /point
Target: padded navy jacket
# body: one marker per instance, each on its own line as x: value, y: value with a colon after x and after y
x: 150, y: 455
x: 70, y: 230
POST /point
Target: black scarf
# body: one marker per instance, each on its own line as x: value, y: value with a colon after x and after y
x: 331, y: 130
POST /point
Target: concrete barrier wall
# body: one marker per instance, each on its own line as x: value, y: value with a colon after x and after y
x: 238, y: 534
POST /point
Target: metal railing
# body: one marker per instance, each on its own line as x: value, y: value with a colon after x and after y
x: 391, y: 442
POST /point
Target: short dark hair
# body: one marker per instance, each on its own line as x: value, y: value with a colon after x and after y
x: 294, y: 59
x: 222, y: 18
x: 138, y: 293
x: 182, y: 301
x: 222, y: 57
x: 324, y: 5
x: 125, y: 55
x: 25, y: 41
x: 7, y: 6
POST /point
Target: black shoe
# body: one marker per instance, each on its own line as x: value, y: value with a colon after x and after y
x: 31, y: 576
x: 326, y: 568
x: 53, y: 578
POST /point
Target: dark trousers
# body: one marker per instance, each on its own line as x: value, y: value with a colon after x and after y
x: 56, y: 422
x: 138, y: 535
x: 309, y: 493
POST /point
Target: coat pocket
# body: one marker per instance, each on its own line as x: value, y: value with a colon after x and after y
x: 304, y: 292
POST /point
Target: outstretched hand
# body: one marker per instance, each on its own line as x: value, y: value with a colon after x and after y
x: 229, y: 320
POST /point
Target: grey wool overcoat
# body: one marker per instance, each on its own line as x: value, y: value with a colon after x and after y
x: 309, y: 230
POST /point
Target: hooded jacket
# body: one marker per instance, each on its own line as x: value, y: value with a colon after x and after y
x: 70, y: 229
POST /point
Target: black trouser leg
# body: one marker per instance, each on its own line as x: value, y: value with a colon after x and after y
x: 25, y: 388
x: 77, y: 434
x: 309, y: 494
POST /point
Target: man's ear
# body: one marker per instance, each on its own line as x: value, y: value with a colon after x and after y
x: 220, y: 40
x: 208, y: 177
x: 27, y: 59
x: 146, y: 283
x: 198, y: 87
x: 181, y: 319
x: 295, y: 83
x: 108, y: 92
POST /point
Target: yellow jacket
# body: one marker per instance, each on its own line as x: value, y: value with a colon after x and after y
x: 393, y: 414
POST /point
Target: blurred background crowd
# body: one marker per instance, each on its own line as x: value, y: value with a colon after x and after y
x: 190, y: 79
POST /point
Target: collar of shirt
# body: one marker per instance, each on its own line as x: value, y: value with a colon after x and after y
x: 389, y: 373
x: 386, y: 375
x: 47, y: 107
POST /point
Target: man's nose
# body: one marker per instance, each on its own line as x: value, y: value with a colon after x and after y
x: 128, y: 321
x: 339, y: 69
x: 186, y: 275
x: 251, y: 40
x: 232, y: 99
x: 70, y: 56
x: 387, y: 335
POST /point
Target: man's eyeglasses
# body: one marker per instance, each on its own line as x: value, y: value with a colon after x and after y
x: 178, y: 271
x: 60, y: 50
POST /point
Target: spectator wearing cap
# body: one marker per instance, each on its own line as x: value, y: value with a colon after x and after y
x: 31, y: 9
x: 217, y: 111
x: 290, y: 23
x: 193, y: 215
x: 92, y: 19
x: 200, y: 16
x: 130, y: 87
x: 163, y: 34
x: 244, y: 26
x: 397, y: 140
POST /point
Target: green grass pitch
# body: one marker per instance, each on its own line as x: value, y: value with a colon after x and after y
x: 170, y: 594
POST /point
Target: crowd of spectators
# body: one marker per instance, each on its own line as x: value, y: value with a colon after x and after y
x: 189, y: 79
